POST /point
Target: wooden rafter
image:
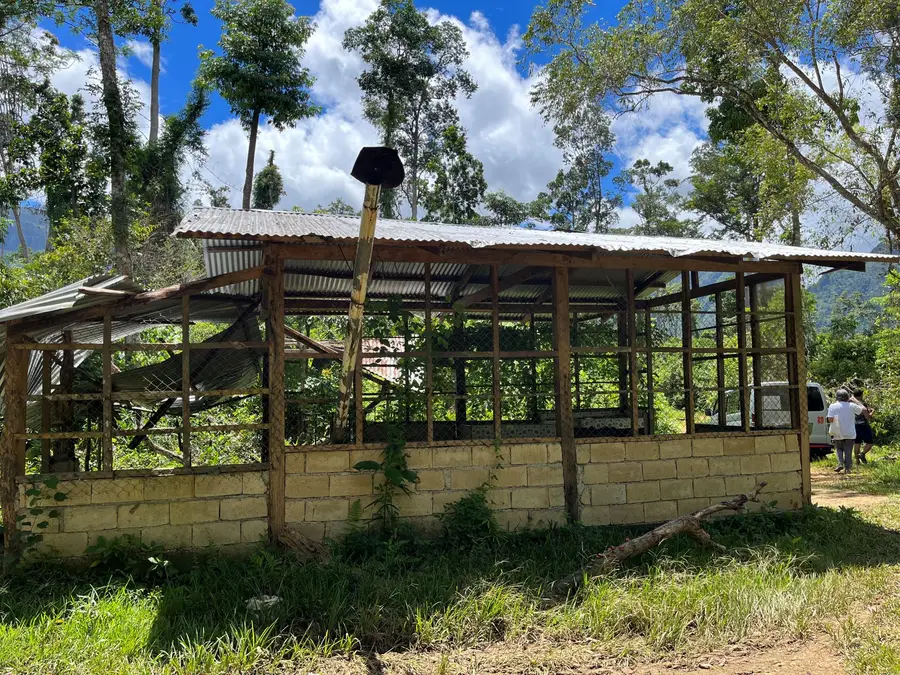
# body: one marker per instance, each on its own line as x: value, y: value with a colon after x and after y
x: 503, y: 284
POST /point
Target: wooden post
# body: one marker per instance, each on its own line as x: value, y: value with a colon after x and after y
x: 459, y: 374
x: 495, y: 326
x: 429, y: 361
x: 576, y: 362
x: 107, y: 394
x: 275, y: 337
x: 648, y: 339
x: 755, y: 358
x: 66, y: 446
x: 565, y: 426
x: 687, y: 342
x: 353, y: 340
x: 358, y: 409
x: 632, y: 353
x: 622, y: 358
x: 46, y: 390
x: 793, y: 297
x: 533, y: 408
x: 186, y: 380
x: 720, y: 365
x: 742, y: 351
x: 12, y: 450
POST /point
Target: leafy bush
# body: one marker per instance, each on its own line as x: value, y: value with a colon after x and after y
x: 130, y: 557
x: 470, y: 522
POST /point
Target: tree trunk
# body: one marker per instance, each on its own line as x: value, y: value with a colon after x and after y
x: 251, y: 156
x: 154, y: 92
x: 115, y: 113
x: 796, y: 236
x: 17, y: 218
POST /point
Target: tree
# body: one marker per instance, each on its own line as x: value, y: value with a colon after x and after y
x: 218, y: 197
x: 727, y: 189
x: 414, y: 73
x: 791, y: 67
x: 506, y: 211
x: 268, y: 187
x: 259, y: 71
x: 458, y: 186
x: 338, y: 207
x: 658, y: 203
x: 577, y: 194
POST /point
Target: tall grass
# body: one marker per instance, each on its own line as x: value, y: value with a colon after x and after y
x: 785, y: 574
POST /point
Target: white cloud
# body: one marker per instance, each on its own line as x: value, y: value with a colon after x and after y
x: 143, y: 52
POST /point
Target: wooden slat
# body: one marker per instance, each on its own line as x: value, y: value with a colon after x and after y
x: 796, y: 338
x: 687, y: 342
x: 742, y: 351
x: 648, y: 344
x: 429, y: 360
x: 565, y: 425
x: 107, y: 394
x: 632, y: 355
x: 495, y: 331
x: 46, y: 390
x: 186, y: 380
x: 755, y: 358
x: 720, y: 363
x: 275, y: 338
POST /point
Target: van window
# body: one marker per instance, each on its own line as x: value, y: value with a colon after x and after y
x: 814, y: 399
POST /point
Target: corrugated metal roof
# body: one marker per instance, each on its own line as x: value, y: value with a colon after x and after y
x: 292, y: 226
x: 71, y: 296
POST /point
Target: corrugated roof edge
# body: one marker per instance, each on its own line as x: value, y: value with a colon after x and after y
x: 294, y: 226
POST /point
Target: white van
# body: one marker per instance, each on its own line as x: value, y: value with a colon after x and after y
x: 776, y: 412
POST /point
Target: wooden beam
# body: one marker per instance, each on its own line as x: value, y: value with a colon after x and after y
x: 495, y: 331
x: 46, y: 408
x: 722, y: 402
x: 742, y: 352
x: 11, y: 448
x: 361, y: 266
x: 186, y: 381
x: 275, y: 338
x: 460, y: 286
x: 687, y: 342
x: 756, y: 358
x: 107, y: 394
x: 632, y: 355
x: 332, y: 306
x: 106, y: 292
x: 712, y: 289
x: 648, y: 340
x: 565, y: 426
x: 504, y: 284
x: 796, y: 339
x: 429, y: 360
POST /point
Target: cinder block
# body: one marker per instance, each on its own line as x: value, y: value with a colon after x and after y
x: 327, y: 509
x: 295, y: 462
x: 622, y: 514
x: 596, y: 473
x: 533, y: 453
x: 785, y: 461
x: 451, y: 457
x: 545, y: 475
x: 488, y: 455
x: 641, y: 451
x: 294, y: 510
x: 168, y: 488
x: 741, y: 445
x: 512, y: 520
x: 554, y: 453
x: 675, y: 449
x: 419, y: 458
x: 660, y: 512
x: 676, y: 489
x: 687, y: 506
x: 243, y: 508
x: 63, y: 544
x: 786, y: 500
x: 595, y: 515
x: 724, y: 466
x: 327, y: 462
x: 530, y: 498
x: 430, y: 481
x: 439, y: 500
x: 499, y: 499
x: 143, y: 515
x: 78, y: 493
x: 712, y: 486
x: 692, y: 467
x: 312, y: 531
x: 470, y: 479
x: 557, y: 496
x: 168, y: 536
x: 583, y: 453
x: 88, y: 518
x: 255, y: 482
x: 602, y: 495
x: 109, y: 535
x: 44, y: 517
x: 780, y: 482
x: 511, y: 476
x: 116, y: 490
x: 299, y: 486
x: 767, y: 445
x: 218, y: 486
x: 357, y: 456
x: 416, y: 504
x: 707, y: 447
x: 196, y: 511
x: 646, y: 491
x: 756, y: 464
x: 625, y: 472
x: 351, y: 486
x: 254, y: 531
x: 659, y: 469
x: 607, y: 452
x: 337, y: 529
x: 216, y: 534
x: 739, y: 485
x: 791, y: 443
x: 549, y: 518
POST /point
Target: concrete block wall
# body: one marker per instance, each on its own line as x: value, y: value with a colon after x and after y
x: 176, y: 511
x: 645, y: 481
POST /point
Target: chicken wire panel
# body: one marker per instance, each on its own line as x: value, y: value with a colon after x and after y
x: 393, y: 333
x: 463, y: 398
x: 666, y: 328
x: 527, y: 398
x: 463, y: 333
x: 599, y: 330
x: 311, y: 401
x: 669, y: 393
x: 394, y: 397
x: 601, y: 401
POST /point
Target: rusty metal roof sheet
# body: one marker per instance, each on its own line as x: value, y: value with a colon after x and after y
x: 237, y: 224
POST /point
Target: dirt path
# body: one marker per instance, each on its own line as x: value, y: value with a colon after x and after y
x: 827, y: 492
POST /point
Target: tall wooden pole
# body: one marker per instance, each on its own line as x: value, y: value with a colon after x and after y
x: 631, y: 320
x: 565, y: 424
x: 357, y: 303
x: 721, y: 399
x: 275, y: 337
x: 687, y: 341
x: 755, y: 358
x: 12, y: 450
x: 793, y: 293
x: 429, y: 361
x: 742, y: 350
x: 495, y: 330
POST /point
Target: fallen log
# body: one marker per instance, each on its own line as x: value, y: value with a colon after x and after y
x: 613, y: 557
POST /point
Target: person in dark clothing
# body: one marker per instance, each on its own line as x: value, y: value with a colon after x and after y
x: 864, y: 437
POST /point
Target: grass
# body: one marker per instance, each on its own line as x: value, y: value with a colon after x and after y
x: 787, y: 575
x: 881, y: 476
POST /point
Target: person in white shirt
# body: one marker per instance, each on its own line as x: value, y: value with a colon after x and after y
x: 842, y: 418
